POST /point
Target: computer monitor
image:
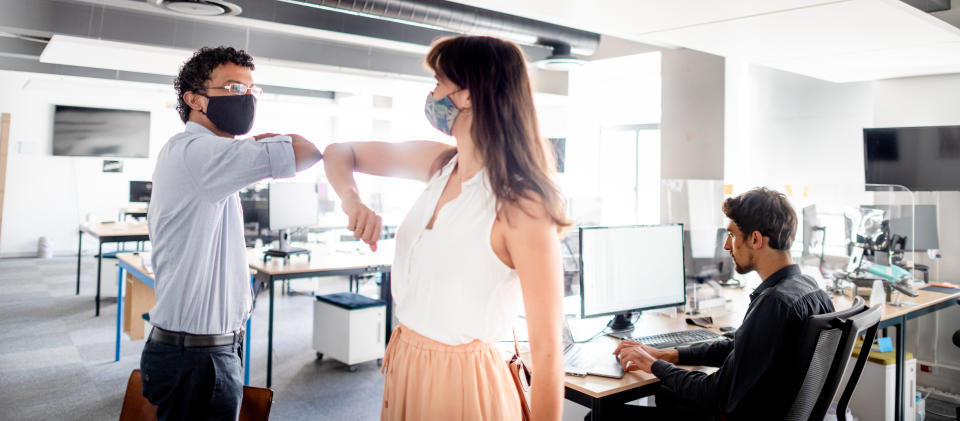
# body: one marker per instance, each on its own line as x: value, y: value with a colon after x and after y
x: 627, y: 269
x: 140, y: 191
x: 292, y: 205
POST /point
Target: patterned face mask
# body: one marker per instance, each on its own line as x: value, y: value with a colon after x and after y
x: 441, y: 113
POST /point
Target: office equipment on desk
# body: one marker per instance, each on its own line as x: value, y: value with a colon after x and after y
x: 676, y: 339
x: 140, y: 191
x: 291, y: 205
x: 628, y: 269
x: 593, y: 358
x: 349, y: 327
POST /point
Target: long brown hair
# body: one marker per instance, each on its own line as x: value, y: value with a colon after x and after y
x: 519, y: 162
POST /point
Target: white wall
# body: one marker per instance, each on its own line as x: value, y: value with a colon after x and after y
x: 50, y: 195
x: 693, y: 115
x: 783, y: 128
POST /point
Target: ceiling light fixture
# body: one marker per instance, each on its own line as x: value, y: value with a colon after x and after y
x: 199, y: 7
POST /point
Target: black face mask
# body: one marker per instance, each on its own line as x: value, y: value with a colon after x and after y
x: 232, y: 113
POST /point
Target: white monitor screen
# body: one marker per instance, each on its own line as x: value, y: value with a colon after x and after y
x: 293, y: 205
x: 631, y: 268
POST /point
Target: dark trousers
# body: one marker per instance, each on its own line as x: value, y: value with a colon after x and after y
x: 668, y: 407
x: 193, y: 383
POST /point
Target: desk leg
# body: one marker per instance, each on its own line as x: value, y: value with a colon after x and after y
x: 246, y: 355
x: 387, y: 296
x: 270, y: 335
x: 898, y: 367
x: 116, y: 355
x: 79, y: 252
x: 99, y: 263
x: 596, y: 412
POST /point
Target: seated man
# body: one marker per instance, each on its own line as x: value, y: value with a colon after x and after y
x: 754, y: 377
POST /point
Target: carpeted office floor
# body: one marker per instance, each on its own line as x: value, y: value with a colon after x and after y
x: 56, y: 358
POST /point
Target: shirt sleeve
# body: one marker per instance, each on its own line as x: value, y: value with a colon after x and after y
x: 221, y: 167
x: 712, y: 353
x: 758, y: 339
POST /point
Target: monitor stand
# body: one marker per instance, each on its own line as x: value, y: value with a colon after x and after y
x: 284, y: 250
x: 620, y: 324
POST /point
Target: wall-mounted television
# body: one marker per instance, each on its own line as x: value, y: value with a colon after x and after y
x: 919, y: 158
x: 85, y: 131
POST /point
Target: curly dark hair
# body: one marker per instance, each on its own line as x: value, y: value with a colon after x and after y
x: 196, y: 72
x: 764, y: 210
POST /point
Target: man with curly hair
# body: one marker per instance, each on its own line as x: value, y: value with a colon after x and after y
x: 191, y: 364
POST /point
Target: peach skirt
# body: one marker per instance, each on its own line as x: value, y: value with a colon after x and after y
x: 430, y: 380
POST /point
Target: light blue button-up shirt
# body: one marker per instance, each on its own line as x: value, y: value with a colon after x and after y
x: 196, y: 227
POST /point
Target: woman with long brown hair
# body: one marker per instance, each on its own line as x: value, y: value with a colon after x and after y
x: 482, y: 236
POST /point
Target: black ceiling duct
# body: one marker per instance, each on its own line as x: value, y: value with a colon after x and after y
x: 465, y: 19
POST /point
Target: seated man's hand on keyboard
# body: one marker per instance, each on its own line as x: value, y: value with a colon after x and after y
x: 637, y: 356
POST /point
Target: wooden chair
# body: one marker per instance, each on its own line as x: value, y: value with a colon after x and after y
x: 254, y: 407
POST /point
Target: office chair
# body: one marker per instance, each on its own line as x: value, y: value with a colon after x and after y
x: 824, y: 349
x: 254, y: 407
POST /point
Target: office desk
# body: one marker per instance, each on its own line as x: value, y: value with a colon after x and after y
x: 134, y: 212
x: 140, y: 294
x: 600, y: 393
x: 896, y: 317
x: 108, y: 233
x: 324, y: 261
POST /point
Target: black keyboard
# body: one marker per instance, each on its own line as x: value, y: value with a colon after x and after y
x: 675, y: 339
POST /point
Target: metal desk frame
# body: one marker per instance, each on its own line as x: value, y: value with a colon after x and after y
x: 102, y: 240
x: 900, y: 324
x: 385, y: 295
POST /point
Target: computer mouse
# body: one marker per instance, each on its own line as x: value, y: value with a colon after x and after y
x: 729, y: 334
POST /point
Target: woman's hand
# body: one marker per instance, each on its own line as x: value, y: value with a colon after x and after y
x: 363, y: 221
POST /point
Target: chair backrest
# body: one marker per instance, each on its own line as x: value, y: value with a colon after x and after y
x: 254, y: 407
x: 135, y: 406
x: 256, y: 404
x: 823, y: 351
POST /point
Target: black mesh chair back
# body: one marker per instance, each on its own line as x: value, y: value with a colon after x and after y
x: 823, y: 351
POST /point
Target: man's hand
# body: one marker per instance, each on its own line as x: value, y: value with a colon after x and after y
x: 265, y: 136
x: 364, y: 222
x: 635, y: 358
x: 640, y: 357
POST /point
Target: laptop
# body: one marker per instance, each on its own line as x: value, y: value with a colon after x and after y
x: 594, y: 358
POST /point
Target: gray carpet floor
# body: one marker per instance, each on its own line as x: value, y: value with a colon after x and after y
x: 56, y: 358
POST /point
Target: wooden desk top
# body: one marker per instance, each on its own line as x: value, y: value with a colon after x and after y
x: 134, y: 260
x: 115, y: 229
x: 924, y: 300
x: 342, y: 256
x: 653, y: 323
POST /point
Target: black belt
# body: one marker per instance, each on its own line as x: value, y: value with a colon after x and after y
x: 190, y: 340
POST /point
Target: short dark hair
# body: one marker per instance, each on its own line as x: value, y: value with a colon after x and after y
x: 196, y: 71
x: 764, y: 210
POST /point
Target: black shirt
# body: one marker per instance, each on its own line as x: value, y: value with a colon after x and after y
x: 753, y: 380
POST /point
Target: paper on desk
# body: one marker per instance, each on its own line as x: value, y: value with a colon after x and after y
x: 146, y: 263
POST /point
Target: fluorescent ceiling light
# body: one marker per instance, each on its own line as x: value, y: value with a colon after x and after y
x: 113, y: 55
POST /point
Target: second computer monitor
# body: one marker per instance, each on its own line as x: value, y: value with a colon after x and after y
x: 630, y: 268
x: 293, y: 205
x: 140, y: 191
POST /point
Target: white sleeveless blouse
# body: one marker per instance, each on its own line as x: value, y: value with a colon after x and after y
x: 448, y: 283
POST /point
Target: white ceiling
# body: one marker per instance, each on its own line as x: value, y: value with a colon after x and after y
x: 838, y: 41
